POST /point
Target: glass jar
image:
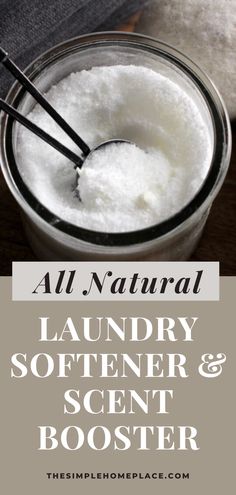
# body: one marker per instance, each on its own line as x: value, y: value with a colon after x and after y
x: 51, y: 237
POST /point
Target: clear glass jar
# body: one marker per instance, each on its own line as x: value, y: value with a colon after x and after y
x: 174, y: 239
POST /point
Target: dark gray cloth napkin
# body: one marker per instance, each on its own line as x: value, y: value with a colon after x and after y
x: 29, y: 27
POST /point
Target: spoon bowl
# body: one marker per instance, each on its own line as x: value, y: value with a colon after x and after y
x: 105, y: 144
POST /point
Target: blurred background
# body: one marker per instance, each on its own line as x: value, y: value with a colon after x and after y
x: 205, y: 30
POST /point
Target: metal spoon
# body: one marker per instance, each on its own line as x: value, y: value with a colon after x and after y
x: 37, y: 95
x: 77, y: 160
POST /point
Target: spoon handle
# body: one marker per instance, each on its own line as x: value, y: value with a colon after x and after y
x: 29, y: 86
x: 40, y: 133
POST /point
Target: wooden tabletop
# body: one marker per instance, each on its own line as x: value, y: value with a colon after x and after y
x: 218, y: 242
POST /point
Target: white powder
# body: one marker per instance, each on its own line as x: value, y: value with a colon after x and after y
x: 122, y: 186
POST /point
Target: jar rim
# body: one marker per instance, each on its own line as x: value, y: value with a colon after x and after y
x: 206, y: 193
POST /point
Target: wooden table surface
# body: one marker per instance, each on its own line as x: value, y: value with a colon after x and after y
x: 218, y: 242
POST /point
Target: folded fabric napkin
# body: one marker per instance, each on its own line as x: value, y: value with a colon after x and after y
x: 205, y: 31
x: 28, y: 28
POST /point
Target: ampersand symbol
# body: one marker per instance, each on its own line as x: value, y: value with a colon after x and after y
x: 211, y: 366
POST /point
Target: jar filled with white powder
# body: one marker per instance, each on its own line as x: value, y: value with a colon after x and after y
x: 147, y: 199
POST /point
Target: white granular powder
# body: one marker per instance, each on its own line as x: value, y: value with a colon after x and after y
x: 124, y: 186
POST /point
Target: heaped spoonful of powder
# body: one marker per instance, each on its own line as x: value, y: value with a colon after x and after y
x: 123, y: 187
x: 129, y: 181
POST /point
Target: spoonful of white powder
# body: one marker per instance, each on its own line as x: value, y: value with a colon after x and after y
x: 124, y: 174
